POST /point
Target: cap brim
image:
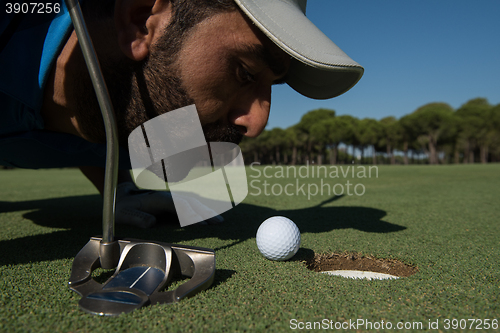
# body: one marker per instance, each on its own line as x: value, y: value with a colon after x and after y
x: 319, y: 68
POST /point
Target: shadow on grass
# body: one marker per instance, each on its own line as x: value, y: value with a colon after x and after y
x: 81, y: 217
x: 221, y: 276
x: 303, y: 254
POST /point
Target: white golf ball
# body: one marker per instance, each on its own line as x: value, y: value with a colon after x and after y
x: 278, y: 238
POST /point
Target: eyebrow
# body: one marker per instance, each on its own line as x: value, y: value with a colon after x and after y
x: 262, y: 54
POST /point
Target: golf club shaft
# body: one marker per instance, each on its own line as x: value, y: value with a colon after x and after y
x: 110, y: 181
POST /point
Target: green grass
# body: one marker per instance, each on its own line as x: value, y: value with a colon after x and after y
x: 443, y: 219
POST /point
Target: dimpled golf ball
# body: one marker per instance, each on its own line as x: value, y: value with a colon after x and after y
x: 278, y: 238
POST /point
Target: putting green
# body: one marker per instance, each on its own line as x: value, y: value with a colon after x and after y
x: 442, y: 219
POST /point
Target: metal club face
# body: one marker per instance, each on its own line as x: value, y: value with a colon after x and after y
x: 144, y: 270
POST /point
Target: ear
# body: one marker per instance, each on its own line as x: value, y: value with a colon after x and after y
x: 139, y: 23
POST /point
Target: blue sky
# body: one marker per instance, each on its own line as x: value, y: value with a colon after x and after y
x: 413, y: 52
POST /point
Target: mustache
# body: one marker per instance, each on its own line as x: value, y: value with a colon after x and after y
x: 217, y: 132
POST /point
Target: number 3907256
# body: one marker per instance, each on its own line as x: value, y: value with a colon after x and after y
x: 32, y: 8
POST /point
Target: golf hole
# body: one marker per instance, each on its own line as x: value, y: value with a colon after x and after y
x: 356, y: 266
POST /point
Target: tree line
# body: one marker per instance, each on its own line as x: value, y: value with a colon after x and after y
x: 433, y: 134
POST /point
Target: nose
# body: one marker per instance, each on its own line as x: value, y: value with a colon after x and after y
x: 251, y: 114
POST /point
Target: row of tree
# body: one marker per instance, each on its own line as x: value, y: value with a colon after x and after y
x: 434, y: 133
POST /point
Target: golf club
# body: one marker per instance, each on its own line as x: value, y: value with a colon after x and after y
x: 143, y: 268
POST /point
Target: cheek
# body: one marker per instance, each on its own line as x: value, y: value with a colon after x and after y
x: 206, y: 78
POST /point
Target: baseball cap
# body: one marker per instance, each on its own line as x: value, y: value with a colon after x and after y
x: 319, y: 68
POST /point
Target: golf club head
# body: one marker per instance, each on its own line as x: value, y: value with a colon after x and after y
x: 145, y: 268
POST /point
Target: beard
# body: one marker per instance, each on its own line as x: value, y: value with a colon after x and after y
x: 139, y: 91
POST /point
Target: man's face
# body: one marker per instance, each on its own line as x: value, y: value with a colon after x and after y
x: 227, y: 67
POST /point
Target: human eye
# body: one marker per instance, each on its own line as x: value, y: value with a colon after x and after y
x: 244, y: 75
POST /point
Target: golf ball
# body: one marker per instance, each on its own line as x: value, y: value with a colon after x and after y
x: 278, y: 238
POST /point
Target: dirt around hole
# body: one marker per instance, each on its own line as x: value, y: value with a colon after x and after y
x: 358, y: 262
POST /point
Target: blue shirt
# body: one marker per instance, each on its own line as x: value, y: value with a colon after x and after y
x: 26, y: 61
